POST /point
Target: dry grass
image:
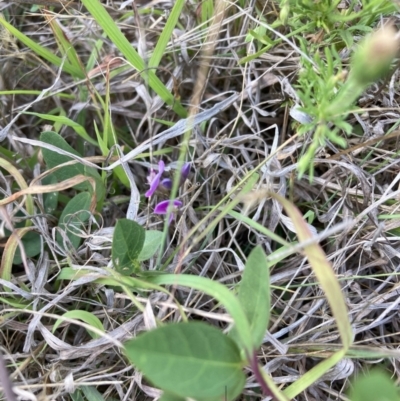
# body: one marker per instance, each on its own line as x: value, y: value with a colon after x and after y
x: 358, y: 186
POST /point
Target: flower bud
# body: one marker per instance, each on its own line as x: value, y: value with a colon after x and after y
x: 373, y: 58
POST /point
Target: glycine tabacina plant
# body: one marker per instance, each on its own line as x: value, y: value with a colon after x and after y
x: 157, y: 182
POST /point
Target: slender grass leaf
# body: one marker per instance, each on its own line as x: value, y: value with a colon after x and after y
x: 329, y: 283
x: 312, y: 376
x: 73, y: 218
x: 77, y: 396
x: 15, y: 304
x: 20, y: 180
x: 190, y: 360
x: 91, y: 394
x: 86, y: 317
x: 43, y: 52
x: 81, y: 131
x: 128, y: 241
x: 109, y: 26
x: 254, y: 294
x: 10, y: 248
x: 278, y: 394
x: 151, y: 245
x: 64, y: 44
x: 166, y: 34
x: 259, y: 227
x: 323, y: 271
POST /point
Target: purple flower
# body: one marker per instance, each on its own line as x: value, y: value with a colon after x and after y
x: 167, y: 183
x: 185, y: 171
x: 154, y: 179
x: 162, y: 208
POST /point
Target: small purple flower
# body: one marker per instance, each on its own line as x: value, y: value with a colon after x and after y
x: 167, y: 183
x: 154, y: 179
x: 162, y: 208
x: 185, y: 171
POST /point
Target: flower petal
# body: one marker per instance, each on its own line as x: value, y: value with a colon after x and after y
x: 162, y: 207
x: 155, y: 181
x: 166, y: 183
x: 161, y: 167
x: 185, y: 171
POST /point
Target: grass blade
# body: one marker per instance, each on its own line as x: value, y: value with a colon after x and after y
x: 113, y: 32
x: 42, y: 52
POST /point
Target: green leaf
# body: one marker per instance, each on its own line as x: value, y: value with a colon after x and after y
x: 42, y: 51
x: 91, y: 394
x: 77, y: 396
x: 377, y: 385
x: 151, y: 245
x: 50, y: 200
x: 189, y: 360
x: 127, y: 244
x: 166, y: 34
x: 32, y: 242
x: 110, y: 27
x: 170, y: 397
x: 69, y: 123
x: 73, y: 217
x: 215, y: 290
x: 254, y: 294
x: 86, y: 317
x: 66, y: 48
x: 54, y: 159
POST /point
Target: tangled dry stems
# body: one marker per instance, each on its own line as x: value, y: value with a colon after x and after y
x: 356, y: 188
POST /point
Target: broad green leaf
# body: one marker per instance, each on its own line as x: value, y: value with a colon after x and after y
x: 50, y: 200
x: 127, y: 244
x: 254, y: 294
x: 32, y: 242
x: 73, y: 217
x: 151, y: 245
x: 215, y: 290
x: 54, y: 159
x: 86, y: 317
x: 170, y: 397
x: 190, y: 360
x: 375, y: 386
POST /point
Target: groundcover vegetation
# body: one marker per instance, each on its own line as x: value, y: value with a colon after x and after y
x: 199, y: 200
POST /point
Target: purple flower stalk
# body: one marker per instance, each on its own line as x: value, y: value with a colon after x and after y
x: 154, y: 179
x: 162, y: 208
